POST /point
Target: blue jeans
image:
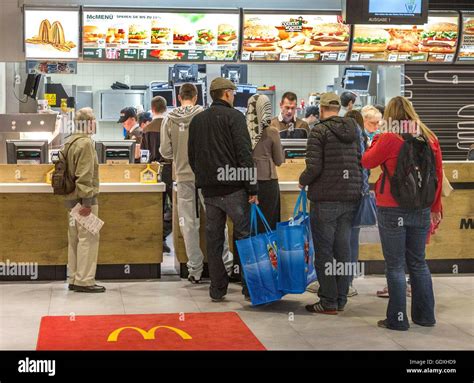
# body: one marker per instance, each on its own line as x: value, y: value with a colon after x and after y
x: 355, y: 232
x: 331, y: 225
x: 403, y: 235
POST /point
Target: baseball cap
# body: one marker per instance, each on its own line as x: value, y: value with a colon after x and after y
x: 144, y: 117
x: 222, y: 83
x: 126, y: 113
x: 330, y: 99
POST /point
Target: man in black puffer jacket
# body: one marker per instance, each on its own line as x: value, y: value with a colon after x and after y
x: 333, y: 175
x: 220, y: 155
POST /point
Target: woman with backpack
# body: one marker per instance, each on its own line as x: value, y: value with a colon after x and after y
x: 408, y: 194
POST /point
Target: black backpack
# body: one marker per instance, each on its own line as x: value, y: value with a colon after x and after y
x: 60, y: 180
x: 414, y: 182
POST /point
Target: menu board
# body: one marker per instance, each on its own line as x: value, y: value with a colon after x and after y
x: 51, y: 35
x: 160, y: 36
x: 466, y: 50
x: 281, y: 37
x: 435, y: 41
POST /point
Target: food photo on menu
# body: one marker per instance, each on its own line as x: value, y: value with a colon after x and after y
x: 295, y: 38
x: 160, y: 36
x: 435, y: 41
x: 466, y: 51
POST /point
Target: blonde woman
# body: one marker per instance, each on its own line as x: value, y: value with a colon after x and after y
x: 372, y: 118
x: 404, y: 231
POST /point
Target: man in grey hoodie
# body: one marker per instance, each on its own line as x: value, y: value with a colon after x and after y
x: 174, y: 145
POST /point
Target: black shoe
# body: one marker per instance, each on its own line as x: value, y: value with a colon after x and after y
x: 221, y: 299
x: 318, y: 308
x: 383, y: 324
x: 89, y: 289
x: 166, y: 248
x: 71, y: 287
x: 193, y: 280
x: 424, y: 324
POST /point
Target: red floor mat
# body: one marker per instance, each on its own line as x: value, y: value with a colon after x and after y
x: 193, y: 331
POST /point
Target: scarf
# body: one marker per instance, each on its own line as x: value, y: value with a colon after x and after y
x: 259, y: 115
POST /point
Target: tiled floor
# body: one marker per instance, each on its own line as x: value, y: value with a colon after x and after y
x: 282, y: 325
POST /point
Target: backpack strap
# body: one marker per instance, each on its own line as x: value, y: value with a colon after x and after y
x: 69, y: 147
x: 385, y: 174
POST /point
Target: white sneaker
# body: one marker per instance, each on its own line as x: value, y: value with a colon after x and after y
x: 313, y: 287
x: 352, y: 292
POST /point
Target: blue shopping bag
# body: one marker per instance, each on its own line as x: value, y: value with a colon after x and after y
x: 296, y: 250
x: 258, y: 256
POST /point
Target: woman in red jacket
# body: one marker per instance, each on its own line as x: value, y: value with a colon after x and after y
x: 403, y: 231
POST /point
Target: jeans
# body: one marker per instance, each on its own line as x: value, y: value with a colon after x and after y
x: 403, y: 234
x: 355, y: 232
x: 331, y: 226
x: 236, y: 206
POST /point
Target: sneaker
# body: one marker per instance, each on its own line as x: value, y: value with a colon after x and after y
x: 89, y: 289
x: 352, y: 292
x: 313, y: 287
x: 383, y: 293
x: 194, y: 280
x: 166, y: 248
x: 318, y: 308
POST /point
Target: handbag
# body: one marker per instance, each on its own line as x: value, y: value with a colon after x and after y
x: 366, y: 214
x: 296, y: 250
x: 258, y: 255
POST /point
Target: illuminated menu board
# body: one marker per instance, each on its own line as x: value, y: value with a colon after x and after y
x: 466, y: 49
x: 435, y: 41
x: 294, y: 37
x: 162, y: 36
x: 51, y: 34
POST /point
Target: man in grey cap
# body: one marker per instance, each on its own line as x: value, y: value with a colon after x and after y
x: 333, y: 175
x: 220, y: 155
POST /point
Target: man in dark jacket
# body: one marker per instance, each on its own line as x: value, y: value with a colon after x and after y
x: 220, y: 155
x: 333, y: 175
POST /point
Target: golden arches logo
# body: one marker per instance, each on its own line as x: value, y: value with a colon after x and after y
x: 147, y: 335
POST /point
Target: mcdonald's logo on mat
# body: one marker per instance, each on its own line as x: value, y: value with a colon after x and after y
x: 147, y: 335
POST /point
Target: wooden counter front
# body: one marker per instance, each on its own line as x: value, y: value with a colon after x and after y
x: 33, y: 223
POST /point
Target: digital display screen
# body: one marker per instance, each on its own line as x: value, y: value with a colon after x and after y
x: 435, y: 41
x: 242, y: 96
x: 466, y: 51
x: 357, y: 80
x: 160, y: 36
x: 51, y: 35
x: 294, y: 37
x: 167, y: 94
x: 395, y: 7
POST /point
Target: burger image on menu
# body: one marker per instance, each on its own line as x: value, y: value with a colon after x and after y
x: 225, y: 34
x: 136, y: 34
x: 439, y: 38
x: 469, y: 26
x: 329, y: 37
x: 91, y: 34
x: 260, y: 38
x: 182, y: 35
x: 159, y: 33
x: 204, y: 36
x: 370, y: 40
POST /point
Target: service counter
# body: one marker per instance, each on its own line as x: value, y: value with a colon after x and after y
x: 33, y: 222
x: 450, y: 249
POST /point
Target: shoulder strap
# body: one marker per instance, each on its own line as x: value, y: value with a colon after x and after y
x: 385, y: 174
x: 69, y: 146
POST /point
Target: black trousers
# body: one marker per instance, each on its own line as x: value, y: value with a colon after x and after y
x: 167, y: 178
x: 236, y: 206
x: 269, y: 203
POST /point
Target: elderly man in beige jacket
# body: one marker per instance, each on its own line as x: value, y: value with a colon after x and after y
x: 83, y: 167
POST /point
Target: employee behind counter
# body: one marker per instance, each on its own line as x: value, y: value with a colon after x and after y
x: 287, y: 123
